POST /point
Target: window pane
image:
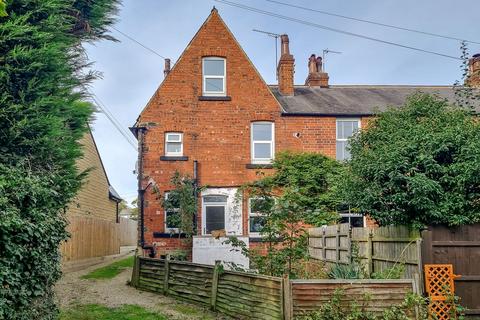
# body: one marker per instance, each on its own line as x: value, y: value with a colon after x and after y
x: 341, y: 150
x: 214, y: 85
x: 340, y: 129
x: 173, y: 219
x: 262, y: 131
x: 213, y: 67
x: 345, y: 129
x: 174, y: 147
x: 261, y: 205
x: 215, y: 198
x: 214, y: 218
x: 262, y: 151
x: 174, y: 137
x: 256, y: 224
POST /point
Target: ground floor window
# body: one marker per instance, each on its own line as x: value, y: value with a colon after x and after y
x: 172, y: 216
x: 257, y: 208
x: 214, y: 208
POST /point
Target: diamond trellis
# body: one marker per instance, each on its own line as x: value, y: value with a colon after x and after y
x: 439, y: 282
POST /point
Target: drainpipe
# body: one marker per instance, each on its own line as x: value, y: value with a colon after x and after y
x: 195, y: 193
x: 141, y: 192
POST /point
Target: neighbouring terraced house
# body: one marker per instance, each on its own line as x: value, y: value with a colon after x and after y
x: 214, y: 118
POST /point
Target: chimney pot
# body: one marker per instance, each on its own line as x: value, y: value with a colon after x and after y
x: 474, y: 71
x: 316, y: 77
x: 166, y: 70
x: 285, y: 50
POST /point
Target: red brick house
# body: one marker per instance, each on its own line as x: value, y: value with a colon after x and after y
x: 215, y: 118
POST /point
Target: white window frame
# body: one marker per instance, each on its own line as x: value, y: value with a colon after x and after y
x: 337, y: 139
x: 253, y: 214
x: 176, y: 210
x: 173, y: 154
x: 205, y: 77
x: 213, y: 204
x: 272, y: 144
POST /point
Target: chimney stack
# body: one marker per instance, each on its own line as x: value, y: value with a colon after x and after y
x: 474, y: 71
x: 316, y: 77
x: 285, y: 69
x: 166, y: 70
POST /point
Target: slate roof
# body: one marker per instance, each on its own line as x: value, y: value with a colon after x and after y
x: 113, y: 194
x: 351, y: 100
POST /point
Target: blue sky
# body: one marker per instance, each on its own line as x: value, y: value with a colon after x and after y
x: 131, y: 74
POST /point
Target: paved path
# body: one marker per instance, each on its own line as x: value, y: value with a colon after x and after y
x: 71, y: 290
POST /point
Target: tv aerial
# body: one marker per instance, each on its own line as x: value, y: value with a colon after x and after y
x: 275, y: 36
x: 324, y: 54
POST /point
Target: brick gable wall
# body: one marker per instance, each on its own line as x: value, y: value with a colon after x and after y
x: 216, y: 133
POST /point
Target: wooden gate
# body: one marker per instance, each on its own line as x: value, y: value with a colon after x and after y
x: 461, y: 248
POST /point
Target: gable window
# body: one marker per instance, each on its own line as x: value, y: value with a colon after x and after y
x: 257, y: 208
x: 214, y: 80
x: 262, y: 142
x: 214, y: 208
x: 174, y: 144
x: 172, y: 217
x: 345, y: 129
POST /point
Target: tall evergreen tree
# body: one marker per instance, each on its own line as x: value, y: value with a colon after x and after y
x: 43, y: 74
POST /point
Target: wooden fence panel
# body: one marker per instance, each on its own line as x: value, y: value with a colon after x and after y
x: 249, y: 296
x: 461, y: 248
x: 191, y: 282
x: 374, y: 295
x: 90, y: 238
x: 378, y: 248
x: 128, y: 232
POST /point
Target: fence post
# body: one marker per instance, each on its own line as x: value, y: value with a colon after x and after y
x: 216, y: 272
x: 370, y: 253
x: 324, y: 244
x: 287, y: 298
x: 337, y: 244
x: 166, y: 275
x: 136, y: 272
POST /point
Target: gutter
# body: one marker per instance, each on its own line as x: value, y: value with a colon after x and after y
x: 315, y: 114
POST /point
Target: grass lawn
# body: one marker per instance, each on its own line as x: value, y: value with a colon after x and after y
x: 98, y: 312
x: 110, y: 271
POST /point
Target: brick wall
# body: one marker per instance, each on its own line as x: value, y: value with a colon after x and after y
x: 92, y: 200
x: 216, y: 133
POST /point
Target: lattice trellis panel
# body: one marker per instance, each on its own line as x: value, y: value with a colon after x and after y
x: 439, y: 283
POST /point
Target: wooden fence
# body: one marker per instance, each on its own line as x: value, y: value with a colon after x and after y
x: 374, y: 295
x: 90, y: 237
x: 128, y: 232
x: 378, y: 248
x: 461, y: 248
x: 251, y: 296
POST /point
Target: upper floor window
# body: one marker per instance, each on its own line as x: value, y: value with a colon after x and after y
x: 214, y: 80
x: 345, y: 129
x: 262, y: 142
x: 174, y: 144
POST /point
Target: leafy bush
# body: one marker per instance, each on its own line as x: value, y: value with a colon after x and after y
x: 302, y: 186
x: 42, y: 117
x: 417, y: 165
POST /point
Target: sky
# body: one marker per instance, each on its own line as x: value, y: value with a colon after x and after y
x: 131, y: 73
